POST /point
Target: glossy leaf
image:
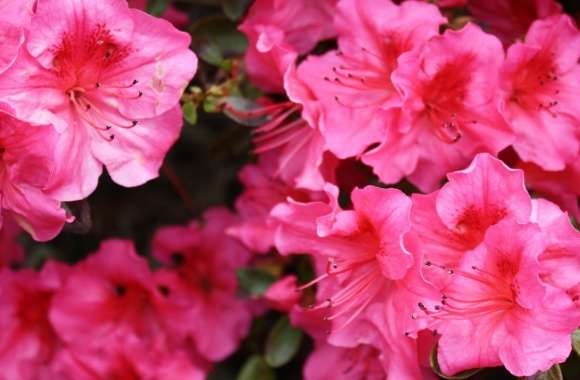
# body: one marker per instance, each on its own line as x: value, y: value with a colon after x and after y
x: 190, y: 113
x: 256, y: 368
x: 283, y: 343
x: 254, y: 281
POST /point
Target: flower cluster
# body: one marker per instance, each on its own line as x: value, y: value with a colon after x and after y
x: 410, y: 200
x: 111, y: 317
x: 474, y: 270
x: 98, y: 86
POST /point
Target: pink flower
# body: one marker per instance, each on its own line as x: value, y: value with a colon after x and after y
x: 127, y: 363
x: 561, y: 187
x: 278, y: 31
x: 11, y: 251
x: 283, y: 295
x: 353, y: 85
x: 262, y: 192
x: 368, y: 273
x: 510, y: 19
x: 14, y: 19
x: 171, y: 14
x: 109, y: 301
x: 560, y: 260
x: 495, y: 310
x: 205, y: 259
x: 449, y: 113
x: 330, y: 362
x: 290, y: 138
x: 109, y: 79
x: 28, y: 340
x: 453, y: 220
x: 540, y: 79
x: 26, y: 167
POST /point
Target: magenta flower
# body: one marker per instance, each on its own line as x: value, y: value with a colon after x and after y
x: 453, y: 220
x: 495, y: 310
x: 562, y: 187
x: 14, y: 19
x: 109, y: 300
x: 560, y: 261
x: 540, y: 81
x: 109, y: 79
x: 449, y: 111
x: 368, y: 272
x: 353, y: 85
x: 29, y: 342
x: 204, y: 260
x: 278, y: 31
x: 26, y: 168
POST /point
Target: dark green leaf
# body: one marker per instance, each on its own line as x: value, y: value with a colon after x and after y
x: 157, y: 7
x: 256, y: 368
x: 211, y: 53
x: 235, y: 9
x: 221, y: 32
x: 459, y: 376
x: 190, y: 113
x: 283, y: 343
x: 554, y: 373
x: 254, y: 281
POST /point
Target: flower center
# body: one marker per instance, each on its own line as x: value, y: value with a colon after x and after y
x: 536, y: 84
x: 81, y: 63
x: 444, y: 99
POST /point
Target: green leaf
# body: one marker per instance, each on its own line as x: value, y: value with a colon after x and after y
x: 459, y: 376
x: 254, y: 281
x: 256, y: 368
x: 283, y: 343
x: 190, y: 113
x: 554, y: 373
x: 211, y: 53
x: 576, y: 341
x: 234, y: 9
x: 157, y: 7
x: 221, y: 32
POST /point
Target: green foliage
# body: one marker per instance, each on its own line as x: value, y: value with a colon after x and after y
x: 283, y: 343
x: 256, y: 368
x: 254, y: 281
x: 157, y: 7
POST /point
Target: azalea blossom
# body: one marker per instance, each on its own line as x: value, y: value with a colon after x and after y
x: 109, y: 300
x: 560, y: 261
x: 539, y: 80
x: 353, y: 85
x: 495, y: 309
x: 108, y: 78
x: 561, y: 187
x: 15, y: 17
x: 278, y: 31
x: 29, y: 342
x: 453, y: 220
x: 26, y: 169
x: 367, y: 263
x: 449, y: 111
x: 203, y: 261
